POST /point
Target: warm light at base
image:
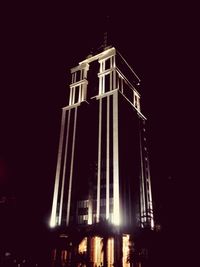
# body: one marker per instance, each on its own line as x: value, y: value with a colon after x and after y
x: 126, y: 250
x: 110, y: 251
x: 83, y: 246
x: 89, y: 213
x: 152, y: 224
x: 98, y: 252
x: 52, y: 223
x: 116, y: 219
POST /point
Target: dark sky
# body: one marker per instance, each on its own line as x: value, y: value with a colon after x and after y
x: 39, y: 43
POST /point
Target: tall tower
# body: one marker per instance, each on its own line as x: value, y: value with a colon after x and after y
x: 102, y: 183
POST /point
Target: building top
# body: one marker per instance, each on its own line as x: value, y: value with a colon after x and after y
x: 112, y: 73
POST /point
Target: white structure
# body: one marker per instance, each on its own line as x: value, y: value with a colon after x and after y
x: 114, y: 87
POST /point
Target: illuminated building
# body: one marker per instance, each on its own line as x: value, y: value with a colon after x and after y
x: 102, y: 186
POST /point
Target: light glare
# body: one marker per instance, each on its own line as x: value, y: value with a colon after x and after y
x: 52, y: 223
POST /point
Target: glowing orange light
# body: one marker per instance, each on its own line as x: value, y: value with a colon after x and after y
x: 110, y: 251
x: 83, y: 246
x: 126, y: 250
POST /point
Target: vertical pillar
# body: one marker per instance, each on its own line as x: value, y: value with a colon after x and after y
x: 58, y: 168
x: 71, y: 169
x: 116, y: 219
x: 99, y: 162
x: 145, y: 183
x: 64, y: 169
x: 142, y: 189
x: 108, y: 160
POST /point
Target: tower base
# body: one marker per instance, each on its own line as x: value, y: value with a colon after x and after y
x: 95, y: 247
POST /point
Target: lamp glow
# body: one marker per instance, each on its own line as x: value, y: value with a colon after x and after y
x: 52, y: 223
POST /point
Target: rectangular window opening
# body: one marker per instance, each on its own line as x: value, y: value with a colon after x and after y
x: 107, y: 64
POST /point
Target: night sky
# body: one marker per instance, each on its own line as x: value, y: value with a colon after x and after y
x: 39, y: 43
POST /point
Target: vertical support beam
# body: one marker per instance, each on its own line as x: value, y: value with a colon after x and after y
x: 148, y: 192
x: 150, y: 199
x: 103, y: 84
x: 58, y: 168
x: 108, y: 160
x: 99, y: 162
x: 111, y: 80
x: 100, y: 79
x: 73, y: 94
x: 90, y: 210
x: 114, y: 73
x: 70, y: 96
x: 71, y: 169
x: 142, y: 189
x: 116, y: 219
x: 79, y: 92
x: 64, y: 169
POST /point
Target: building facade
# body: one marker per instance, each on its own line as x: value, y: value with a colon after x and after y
x: 102, y: 187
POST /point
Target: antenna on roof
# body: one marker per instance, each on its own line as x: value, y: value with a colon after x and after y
x: 105, y: 39
x: 103, y: 44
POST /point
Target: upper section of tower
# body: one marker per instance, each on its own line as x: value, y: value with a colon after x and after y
x: 100, y: 75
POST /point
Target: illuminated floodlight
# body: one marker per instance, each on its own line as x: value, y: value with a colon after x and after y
x: 116, y: 219
x: 52, y: 223
x: 152, y: 224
